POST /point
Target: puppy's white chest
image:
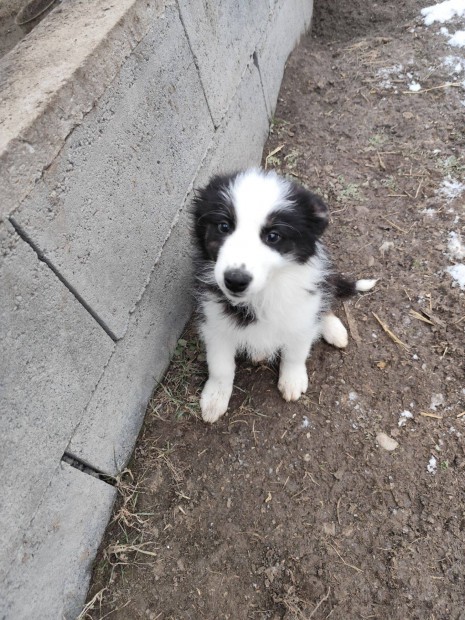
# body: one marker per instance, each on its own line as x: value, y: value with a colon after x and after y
x: 286, y: 319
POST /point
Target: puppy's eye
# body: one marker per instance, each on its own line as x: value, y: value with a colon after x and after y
x: 224, y: 227
x: 273, y: 237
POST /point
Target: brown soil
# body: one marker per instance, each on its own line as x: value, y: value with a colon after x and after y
x: 295, y: 511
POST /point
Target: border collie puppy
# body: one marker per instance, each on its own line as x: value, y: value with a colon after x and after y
x: 264, y: 283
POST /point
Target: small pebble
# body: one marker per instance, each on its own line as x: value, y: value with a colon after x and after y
x: 386, y: 442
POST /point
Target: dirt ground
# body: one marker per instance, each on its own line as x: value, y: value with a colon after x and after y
x: 296, y: 511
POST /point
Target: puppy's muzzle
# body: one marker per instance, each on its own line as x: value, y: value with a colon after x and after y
x: 237, y: 280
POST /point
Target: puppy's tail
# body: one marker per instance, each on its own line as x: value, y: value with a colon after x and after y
x: 346, y: 288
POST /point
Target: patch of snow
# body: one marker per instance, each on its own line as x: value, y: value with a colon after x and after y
x: 429, y: 212
x: 451, y: 188
x: 436, y: 401
x: 353, y: 396
x: 457, y: 39
x: 404, y: 416
x: 443, y: 11
x: 385, y: 73
x: 458, y: 273
x: 455, y: 246
x: 414, y: 87
x: 455, y: 63
x: 305, y: 422
x: 432, y: 466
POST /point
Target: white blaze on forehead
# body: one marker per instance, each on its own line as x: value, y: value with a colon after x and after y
x: 255, y: 195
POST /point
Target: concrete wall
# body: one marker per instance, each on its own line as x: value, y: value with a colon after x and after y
x: 110, y: 114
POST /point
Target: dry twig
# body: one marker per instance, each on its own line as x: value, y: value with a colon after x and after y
x: 402, y: 230
x: 359, y: 570
x: 390, y: 333
x: 427, y: 414
x: 420, y: 317
x: 352, y: 324
x: 322, y: 600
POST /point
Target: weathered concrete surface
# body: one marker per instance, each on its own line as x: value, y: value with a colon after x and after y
x: 307, y: 8
x: 232, y: 29
x: 103, y: 212
x: 86, y: 51
x: 53, y: 354
x: 108, y: 431
x: 287, y: 24
x: 50, y: 576
x: 240, y: 138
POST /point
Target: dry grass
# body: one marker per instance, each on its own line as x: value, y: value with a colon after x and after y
x: 90, y: 606
x: 178, y: 394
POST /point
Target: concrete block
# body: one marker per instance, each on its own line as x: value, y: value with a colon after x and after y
x: 108, y: 431
x: 307, y: 8
x: 240, y: 138
x: 286, y: 27
x: 51, y: 571
x: 107, y: 204
x: 52, y: 78
x: 223, y: 37
x: 53, y: 354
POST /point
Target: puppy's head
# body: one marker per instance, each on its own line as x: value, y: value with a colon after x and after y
x: 252, y: 224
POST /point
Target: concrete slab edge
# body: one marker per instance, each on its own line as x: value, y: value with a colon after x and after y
x: 34, y: 129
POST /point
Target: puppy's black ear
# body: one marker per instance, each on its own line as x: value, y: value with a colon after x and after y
x: 315, y: 210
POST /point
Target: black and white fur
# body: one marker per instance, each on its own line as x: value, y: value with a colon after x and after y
x: 263, y: 280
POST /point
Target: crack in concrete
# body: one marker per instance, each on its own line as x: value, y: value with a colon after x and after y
x: 86, y: 468
x: 41, y: 256
x: 197, y: 68
x: 257, y: 65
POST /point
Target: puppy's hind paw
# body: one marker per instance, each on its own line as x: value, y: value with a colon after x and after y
x: 334, y: 332
x: 214, y: 400
x: 293, y: 382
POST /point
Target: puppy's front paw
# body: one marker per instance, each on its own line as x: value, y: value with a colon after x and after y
x: 293, y: 382
x: 214, y: 400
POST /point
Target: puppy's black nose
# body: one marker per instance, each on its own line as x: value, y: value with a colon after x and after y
x: 237, y: 280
